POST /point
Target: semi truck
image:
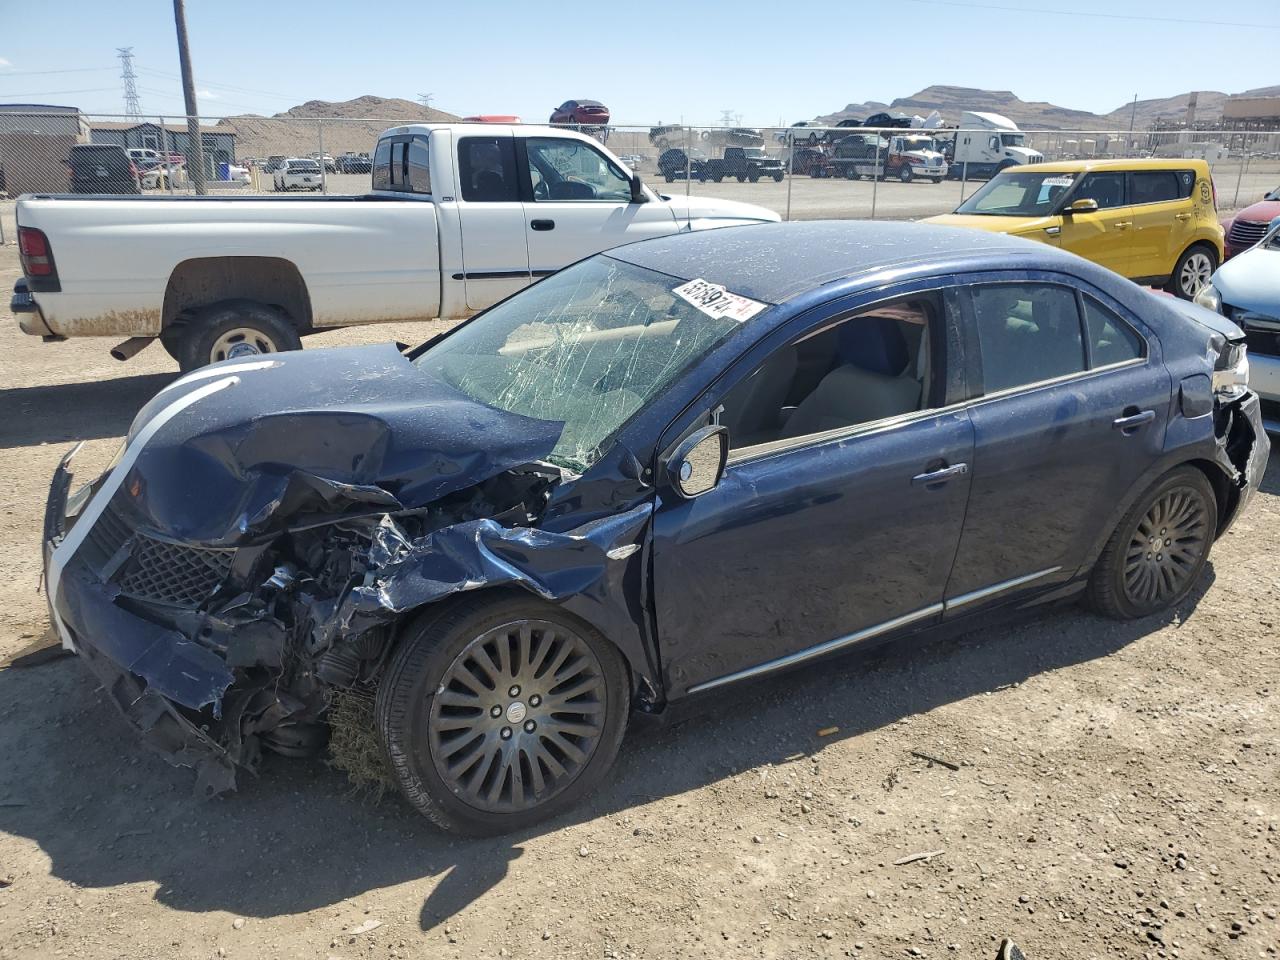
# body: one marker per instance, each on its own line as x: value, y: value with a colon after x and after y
x: 986, y: 143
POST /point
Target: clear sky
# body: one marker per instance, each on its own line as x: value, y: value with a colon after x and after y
x: 768, y: 62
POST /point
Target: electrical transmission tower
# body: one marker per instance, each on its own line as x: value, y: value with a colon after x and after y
x: 132, y: 108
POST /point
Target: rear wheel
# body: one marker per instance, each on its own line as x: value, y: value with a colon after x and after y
x: 1192, y: 271
x: 1156, y: 553
x: 500, y: 713
x: 233, y: 330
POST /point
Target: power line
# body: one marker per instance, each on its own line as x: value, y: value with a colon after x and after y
x: 49, y: 93
x: 132, y: 106
x: 1098, y: 16
x: 41, y: 73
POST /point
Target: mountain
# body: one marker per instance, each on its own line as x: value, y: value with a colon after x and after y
x: 295, y: 132
x: 952, y: 101
x: 1035, y: 115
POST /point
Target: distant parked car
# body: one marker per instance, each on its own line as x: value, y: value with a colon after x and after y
x: 1246, y: 290
x: 330, y: 164
x: 297, y: 174
x: 493, y: 118
x: 586, y: 115
x: 102, y: 168
x: 273, y: 164
x: 1248, y: 226
x: 674, y: 164
x: 355, y: 163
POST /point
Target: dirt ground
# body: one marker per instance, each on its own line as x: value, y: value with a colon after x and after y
x: 1117, y: 791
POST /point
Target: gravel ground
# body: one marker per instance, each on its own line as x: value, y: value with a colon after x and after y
x: 1116, y: 793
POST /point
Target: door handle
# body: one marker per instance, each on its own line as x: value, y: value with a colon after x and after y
x: 940, y: 476
x: 1053, y: 231
x: 1182, y: 216
x: 542, y: 224
x: 1129, y: 424
x: 1123, y: 224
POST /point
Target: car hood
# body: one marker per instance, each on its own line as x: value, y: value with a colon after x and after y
x: 1251, y: 281
x: 242, y: 448
x: 1264, y: 211
x: 708, y: 210
x: 1025, y: 153
x: 1014, y: 226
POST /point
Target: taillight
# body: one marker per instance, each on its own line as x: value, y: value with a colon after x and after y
x: 33, y: 248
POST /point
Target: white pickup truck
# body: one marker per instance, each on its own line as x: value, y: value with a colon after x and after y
x: 459, y: 217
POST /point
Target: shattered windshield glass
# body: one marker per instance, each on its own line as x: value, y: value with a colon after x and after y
x: 589, y: 346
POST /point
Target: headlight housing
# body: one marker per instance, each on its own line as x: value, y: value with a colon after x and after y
x: 1209, y: 297
x: 1231, y: 373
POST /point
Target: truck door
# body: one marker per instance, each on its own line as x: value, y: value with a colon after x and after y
x: 577, y: 202
x: 495, y: 255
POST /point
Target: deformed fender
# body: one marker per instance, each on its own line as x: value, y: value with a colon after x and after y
x: 594, y: 570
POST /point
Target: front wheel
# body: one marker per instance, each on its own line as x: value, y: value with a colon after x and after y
x: 1192, y: 271
x: 777, y: 178
x: 500, y: 713
x: 1156, y: 553
x: 233, y: 330
x: 905, y: 174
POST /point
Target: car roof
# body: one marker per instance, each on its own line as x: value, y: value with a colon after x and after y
x: 776, y: 262
x: 1090, y: 166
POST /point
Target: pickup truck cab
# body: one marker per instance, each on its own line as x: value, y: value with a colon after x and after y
x: 460, y: 217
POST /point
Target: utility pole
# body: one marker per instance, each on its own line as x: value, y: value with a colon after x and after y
x: 132, y: 107
x: 195, y: 146
x: 1133, y: 113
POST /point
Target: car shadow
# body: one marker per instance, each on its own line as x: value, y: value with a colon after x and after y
x: 65, y: 412
x: 294, y: 838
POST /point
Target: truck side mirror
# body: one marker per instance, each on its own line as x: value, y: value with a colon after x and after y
x: 637, y: 189
x: 994, y: 143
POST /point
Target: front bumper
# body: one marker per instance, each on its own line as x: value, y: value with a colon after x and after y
x: 921, y: 170
x: 168, y: 688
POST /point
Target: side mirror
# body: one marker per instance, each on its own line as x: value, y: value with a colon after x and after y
x: 994, y: 143
x: 697, y: 462
x: 1083, y: 205
x: 637, y: 189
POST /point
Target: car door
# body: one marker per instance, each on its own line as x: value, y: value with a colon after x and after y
x: 495, y: 254
x: 1070, y: 410
x: 1105, y: 235
x: 840, y: 507
x: 1163, y: 221
x: 578, y: 202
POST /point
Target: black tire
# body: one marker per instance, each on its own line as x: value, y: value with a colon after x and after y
x: 741, y: 178
x: 905, y: 174
x: 204, y: 338
x: 777, y: 178
x: 1121, y: 583
x: 936, y: 179
x: 851, y: 173
x: 420, y: 670
x: 667, y: 177
x: 1192, y: 271
x: 754, y: 178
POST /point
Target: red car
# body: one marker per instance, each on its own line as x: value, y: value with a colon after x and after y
x: 1247, y: 227
x: 581, y: 113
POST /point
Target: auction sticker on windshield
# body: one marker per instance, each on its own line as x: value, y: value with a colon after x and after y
x: 716, y: 301
x: 1058, y: 181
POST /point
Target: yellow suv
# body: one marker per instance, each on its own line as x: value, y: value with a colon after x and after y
x: 1154, y: 221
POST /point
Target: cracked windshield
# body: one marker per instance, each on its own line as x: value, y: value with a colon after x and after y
x: 587, y: 347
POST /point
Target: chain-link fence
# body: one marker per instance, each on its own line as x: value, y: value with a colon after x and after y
x: 803, y: 172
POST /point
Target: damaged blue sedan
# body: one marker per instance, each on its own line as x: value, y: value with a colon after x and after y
x: 667, y: 469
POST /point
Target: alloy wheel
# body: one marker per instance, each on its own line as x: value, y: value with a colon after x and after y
x: 1166, y: 547
x: 1196, y: 271
x: 517, y: 716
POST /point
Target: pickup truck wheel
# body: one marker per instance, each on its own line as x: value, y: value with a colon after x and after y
x: 741, y: 179
x: 936, y: 179
x: 754, y: 178
x: 236, y: 329
x: 905, y: 174
x: 499, y: 713
x: 667, y: 177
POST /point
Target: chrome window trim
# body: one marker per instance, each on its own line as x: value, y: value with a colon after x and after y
x: 1056, y: 381
x: 817, y: 650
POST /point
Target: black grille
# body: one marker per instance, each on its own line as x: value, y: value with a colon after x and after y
x: 174, y: 573
x: 1262, y: 334
x: 1245, y: 233
x: 106, y: 536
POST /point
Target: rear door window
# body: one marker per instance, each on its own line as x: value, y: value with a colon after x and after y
x: 1111, y: 340
x: 403, y: 164
x: 382, y: 166
x: 1028, y: 333
x: 1154, y: 186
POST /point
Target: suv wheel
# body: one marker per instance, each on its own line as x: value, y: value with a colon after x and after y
x: 499, y: 713
x: 1192, y: 271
